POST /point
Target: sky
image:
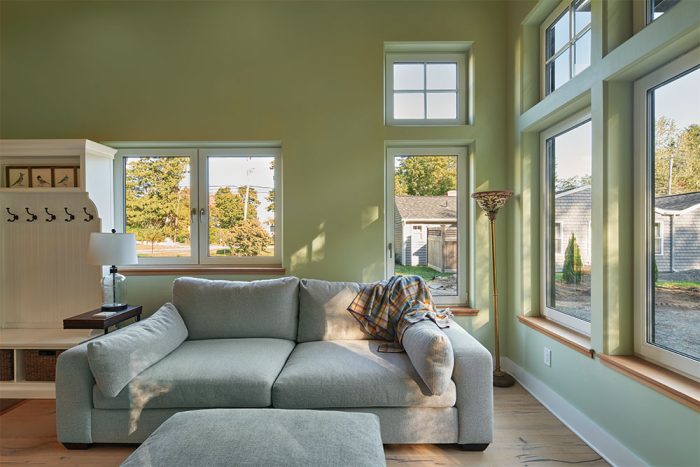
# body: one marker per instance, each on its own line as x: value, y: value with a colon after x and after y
x: 680, y: 100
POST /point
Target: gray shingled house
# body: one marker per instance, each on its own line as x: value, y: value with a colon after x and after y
x: 413, y: 216
x: 676, y: 229
x: 677, y: 232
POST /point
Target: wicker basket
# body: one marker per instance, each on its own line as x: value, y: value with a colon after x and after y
x: 7, y: 364
x: 40, y: 365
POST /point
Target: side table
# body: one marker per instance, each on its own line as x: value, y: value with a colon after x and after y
x: 98, y: 319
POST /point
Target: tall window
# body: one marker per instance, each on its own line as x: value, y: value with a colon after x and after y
x: 426, y: 192
x: 200, y: 206
x: 425, y: 89
x: 667, y: 195
x: 567, y: 214
x: 566, y: 37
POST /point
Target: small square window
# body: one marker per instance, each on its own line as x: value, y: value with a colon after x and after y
x: 425, y: 89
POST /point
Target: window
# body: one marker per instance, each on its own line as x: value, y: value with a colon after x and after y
x: 418, y: 232
x: 566, y: 201
x: 656, y: 8
x: 658, y: 239
x: 200, y: 205
x: 428, y: 186
x: 557, y: 238
x: 566, y: 38
x: 667, y: 200
x: 425, y: 89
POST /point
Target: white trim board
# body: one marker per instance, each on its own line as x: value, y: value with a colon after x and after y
x: 609, y: 448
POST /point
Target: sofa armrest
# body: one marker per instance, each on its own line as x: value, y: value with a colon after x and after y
x: 473, y: 376
x: 74, y: 382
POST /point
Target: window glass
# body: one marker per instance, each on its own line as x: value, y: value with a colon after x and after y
x: 441, y: 76
x: 582, y: 15
x: 442, y: 105
x: 409, y: 106
x: 568, y: 288
x: 656, y: 8
x: 673, y: 320
x: 561, y: 31
x: 409, y: 76
x: 157, y: 205
x: 425, y: 191
x: 241, y: 196
x: 582, y: 53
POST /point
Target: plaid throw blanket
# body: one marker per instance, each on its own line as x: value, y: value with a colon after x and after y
x: 385, y: 309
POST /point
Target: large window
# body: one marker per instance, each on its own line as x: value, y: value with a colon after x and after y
x: 566, y: 201
x: 200, y: 206
x: 566, y: 38
x: 667, y: 216
x: 425, y: 89
x: 427, y: 219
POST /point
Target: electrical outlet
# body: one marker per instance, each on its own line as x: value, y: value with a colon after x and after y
x: 547, y: 356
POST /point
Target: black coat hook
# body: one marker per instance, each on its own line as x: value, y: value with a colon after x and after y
x: 70, y: 216
x: 89, y: 216
x: 52, y: 217
x: 14, y: 216
x: 31, y: 214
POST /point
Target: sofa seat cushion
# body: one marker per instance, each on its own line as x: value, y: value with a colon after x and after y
x: 205, y: 374
x: 352, y: 373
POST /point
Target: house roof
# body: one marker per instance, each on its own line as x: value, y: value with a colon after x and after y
x: 677, y: 203
x: 427, y: 208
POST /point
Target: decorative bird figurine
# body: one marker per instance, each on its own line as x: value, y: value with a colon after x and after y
x: 41, y: 181
x: 19, y: 181
x: 63, y: 181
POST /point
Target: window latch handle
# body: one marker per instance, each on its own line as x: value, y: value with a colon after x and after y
x: 390, y: 247
x: 202, y: 214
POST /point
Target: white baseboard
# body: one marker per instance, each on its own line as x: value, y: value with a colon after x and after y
x: 596, y: 437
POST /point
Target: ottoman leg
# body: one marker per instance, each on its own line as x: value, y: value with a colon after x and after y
x: 73, y: 446
x: 474, y: 447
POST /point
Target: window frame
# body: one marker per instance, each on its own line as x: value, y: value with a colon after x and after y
x: 563, y: 126
x: 565, y: 5
x: 198, y: 153
x: 644, y: 212
x: 560, y: 250
x: 391, y: 58
x: 464, y: 212
x: 660, y: 238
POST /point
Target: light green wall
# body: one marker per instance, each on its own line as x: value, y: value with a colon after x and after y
x: 309, y: 74
x: 656, y: 428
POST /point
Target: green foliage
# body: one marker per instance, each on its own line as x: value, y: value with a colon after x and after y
x: 427, y: 273
x: 656, y: 272
x: 157, y: 206
x: 271, y: 195
x: 573, y: 265
x: 677, y: 158
x: 426, y: 176
x: 246, y: 238
x: 565, y: 184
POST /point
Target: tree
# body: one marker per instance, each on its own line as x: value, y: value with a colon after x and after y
x: 156, y: 199
x: 247, y: 238
x: 565, y: 184
x: 573, y: 265
x: 676, y: 158
x: 426, y: 176
x: 271, y: 194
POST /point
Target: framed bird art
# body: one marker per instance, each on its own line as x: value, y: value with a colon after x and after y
x: 17, y: 177
x: 60, y: 176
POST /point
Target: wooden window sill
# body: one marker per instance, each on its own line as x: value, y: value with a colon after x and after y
x: 674, y: 385
x: 164, y: 270
x: 463, y: 311
x: 572, y: 339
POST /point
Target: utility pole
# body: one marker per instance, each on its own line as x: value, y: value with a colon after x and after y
x: 247, y: 191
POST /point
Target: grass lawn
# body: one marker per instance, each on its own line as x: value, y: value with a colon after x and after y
x: 678, y: 284
x: 424, y: 271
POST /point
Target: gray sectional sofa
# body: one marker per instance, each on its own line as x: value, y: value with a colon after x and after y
x: 281, y: 343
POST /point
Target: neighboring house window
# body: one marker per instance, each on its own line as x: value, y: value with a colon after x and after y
x: 667, y: 137
x: 425, y: 89
x: 428, y: 186
x: 200, y: 205
x: 566, y: 38
x: 418, y: 232
x: 567, y: 168
x: 557, y: 238
x: 658, y: 239
x: 656, y: 8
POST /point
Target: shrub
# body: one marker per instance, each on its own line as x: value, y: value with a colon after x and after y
x: 573, y: 265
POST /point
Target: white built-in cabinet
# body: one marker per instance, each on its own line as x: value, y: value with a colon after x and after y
x: 44, y: 234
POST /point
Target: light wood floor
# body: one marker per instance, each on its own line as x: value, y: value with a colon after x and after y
x: 525, y: 434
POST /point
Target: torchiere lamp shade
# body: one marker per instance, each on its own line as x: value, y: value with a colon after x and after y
x: 112, y: 249
x: 492, y: 201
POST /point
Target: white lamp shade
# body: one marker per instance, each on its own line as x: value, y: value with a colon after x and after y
x: 112, y: 249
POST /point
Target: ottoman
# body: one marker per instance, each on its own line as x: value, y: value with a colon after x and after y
x: 263, y: 437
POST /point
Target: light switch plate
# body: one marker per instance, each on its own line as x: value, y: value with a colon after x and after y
x: 547, y: 356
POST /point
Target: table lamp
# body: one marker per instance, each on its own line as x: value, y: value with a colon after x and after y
x: 490, y: 202
x: 110, y: 249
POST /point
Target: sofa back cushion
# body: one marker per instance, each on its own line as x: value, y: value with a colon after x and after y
x: 117, y: 358
x: 323, y: 311
x: 232, y: 309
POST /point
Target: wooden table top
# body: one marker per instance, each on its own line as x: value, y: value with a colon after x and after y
x: 93, y: 319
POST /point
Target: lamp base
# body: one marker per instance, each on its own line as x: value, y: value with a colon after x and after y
x: 114, y: 306
x: 501, y: 379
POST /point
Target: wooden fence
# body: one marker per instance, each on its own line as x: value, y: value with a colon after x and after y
x: 442, y: 248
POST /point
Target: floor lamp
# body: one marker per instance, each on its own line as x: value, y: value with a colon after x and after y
x: 491, y: 202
